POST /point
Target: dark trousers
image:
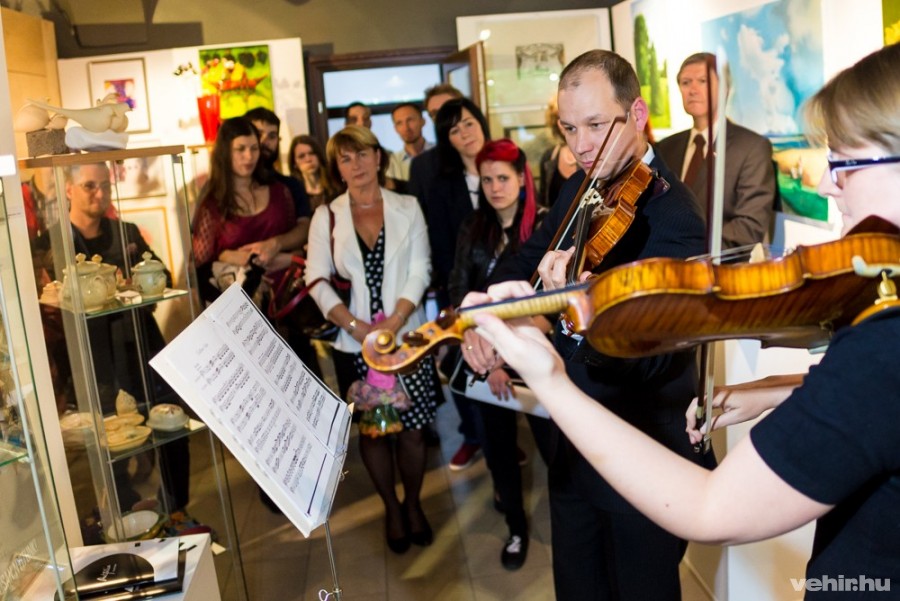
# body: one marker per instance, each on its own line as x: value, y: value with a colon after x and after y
x: 500, y: 445
x: 600, y: 554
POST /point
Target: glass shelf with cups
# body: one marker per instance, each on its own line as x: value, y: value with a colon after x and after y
x: 32, y: 534
x: 111, y: 250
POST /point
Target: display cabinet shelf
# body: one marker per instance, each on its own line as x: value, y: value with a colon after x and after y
x: 125, y: 300
x: 122, y: 204
x: 10, y: 453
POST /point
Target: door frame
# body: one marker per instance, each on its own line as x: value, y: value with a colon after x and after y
x: 317, y: 66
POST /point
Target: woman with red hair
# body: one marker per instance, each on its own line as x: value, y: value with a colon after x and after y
x: 506, y: 216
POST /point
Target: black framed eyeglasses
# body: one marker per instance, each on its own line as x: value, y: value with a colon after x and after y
x: 835, y: 166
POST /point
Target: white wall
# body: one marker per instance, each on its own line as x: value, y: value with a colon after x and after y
x: 174, y: 117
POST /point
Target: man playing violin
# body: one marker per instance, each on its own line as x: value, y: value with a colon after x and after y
x: 603, y: 548
x: 829, y: 451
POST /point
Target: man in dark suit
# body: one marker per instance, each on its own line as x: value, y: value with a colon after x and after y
x: 750, y: 189
x: 603, y: 548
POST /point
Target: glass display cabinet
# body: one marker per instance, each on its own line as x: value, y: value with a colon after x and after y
x: 32, y: 538
x: 111, y: 249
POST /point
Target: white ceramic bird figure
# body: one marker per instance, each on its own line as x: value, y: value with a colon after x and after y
x: 101, y: 118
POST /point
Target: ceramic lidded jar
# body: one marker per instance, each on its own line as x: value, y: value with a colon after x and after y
x: 149, y: 277
x: 90, y: 284
x: 108, y: 272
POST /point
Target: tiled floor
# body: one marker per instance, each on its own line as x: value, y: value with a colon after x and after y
x: 463, y: 564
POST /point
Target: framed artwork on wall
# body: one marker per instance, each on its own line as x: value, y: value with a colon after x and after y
x: 525, y: 52
x: 127, y: 79
x: 140, y: 177
x: 241, y: 76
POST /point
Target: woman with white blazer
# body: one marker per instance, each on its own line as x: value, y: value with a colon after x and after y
x: 381, y: 245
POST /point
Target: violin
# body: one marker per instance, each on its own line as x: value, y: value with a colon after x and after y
x: 604, y: 211
x: 661, y: 305
x: 611, y: 212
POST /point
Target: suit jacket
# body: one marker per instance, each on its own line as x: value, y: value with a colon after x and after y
x: 750, y: 187
x: 406, y: 270
x: 651, y: 393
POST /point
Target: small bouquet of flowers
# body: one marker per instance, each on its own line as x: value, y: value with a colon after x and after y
x: 380, y: 397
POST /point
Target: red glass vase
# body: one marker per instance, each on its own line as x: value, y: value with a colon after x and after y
x: 209, y: 116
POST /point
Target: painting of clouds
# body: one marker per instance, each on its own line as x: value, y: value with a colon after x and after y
x: 775, y: 53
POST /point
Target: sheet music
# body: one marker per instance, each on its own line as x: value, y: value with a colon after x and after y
x: 286, y: 427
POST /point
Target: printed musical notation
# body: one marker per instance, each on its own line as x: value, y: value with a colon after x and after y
x: 283, y: 424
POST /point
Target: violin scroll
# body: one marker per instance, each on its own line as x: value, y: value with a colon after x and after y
x: 382, y: 352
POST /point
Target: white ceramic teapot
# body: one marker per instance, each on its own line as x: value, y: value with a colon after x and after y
x: 149, y: 277
x: 109, y: 275
x: 91, y: 285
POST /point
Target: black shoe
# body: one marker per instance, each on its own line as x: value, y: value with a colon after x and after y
x: 424, y: 536
x: 398, y: 545
x: 514, y: 552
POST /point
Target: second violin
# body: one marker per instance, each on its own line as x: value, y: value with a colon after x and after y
x: 661, y: 305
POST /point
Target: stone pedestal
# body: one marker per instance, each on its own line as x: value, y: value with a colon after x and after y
x: 46, y: 141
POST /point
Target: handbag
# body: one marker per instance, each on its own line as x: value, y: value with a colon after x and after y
x: 291, y: 304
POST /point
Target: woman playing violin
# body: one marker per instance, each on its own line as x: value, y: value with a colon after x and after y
x: 602, y: 547
x: 829, y: 452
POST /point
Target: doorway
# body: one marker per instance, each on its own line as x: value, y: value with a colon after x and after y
x: 381, y: 80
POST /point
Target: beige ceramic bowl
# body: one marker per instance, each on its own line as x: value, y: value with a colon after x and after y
x: 167, y: 417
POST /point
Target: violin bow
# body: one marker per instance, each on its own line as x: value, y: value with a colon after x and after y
x: 715, y: 195
x: 585, y: 192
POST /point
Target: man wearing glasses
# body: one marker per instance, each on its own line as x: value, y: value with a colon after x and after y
x: 603, y: 548
x: 114, y: 348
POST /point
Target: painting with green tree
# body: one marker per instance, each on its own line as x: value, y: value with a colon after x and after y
x: 890, y: 16
x: 650, y: 62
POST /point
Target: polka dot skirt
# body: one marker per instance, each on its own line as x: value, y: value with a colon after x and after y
x: 421, y: 386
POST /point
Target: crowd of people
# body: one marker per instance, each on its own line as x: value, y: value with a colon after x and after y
x: 465, y: 220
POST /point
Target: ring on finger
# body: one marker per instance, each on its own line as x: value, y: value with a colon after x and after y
x: 469, y: 347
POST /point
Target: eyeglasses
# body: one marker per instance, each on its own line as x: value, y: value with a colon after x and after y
x: 91, y: 186
x: 835, y: 166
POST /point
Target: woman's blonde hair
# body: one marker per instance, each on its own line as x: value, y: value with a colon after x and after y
x: 860, y: 105
x: 354, y: 138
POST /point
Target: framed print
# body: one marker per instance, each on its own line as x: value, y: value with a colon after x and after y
x: 140, y: 177
x: 127, y: 79
x: 240, y: 75
x: 524, y: 53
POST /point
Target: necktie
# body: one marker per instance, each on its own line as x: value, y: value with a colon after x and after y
x: 694, y: 166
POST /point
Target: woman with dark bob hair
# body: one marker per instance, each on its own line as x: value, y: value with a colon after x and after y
x: 452, y: 196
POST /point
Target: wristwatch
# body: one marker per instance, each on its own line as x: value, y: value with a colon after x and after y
x: 351, y: 326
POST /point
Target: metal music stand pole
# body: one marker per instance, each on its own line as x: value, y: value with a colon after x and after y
x: 336, y: 593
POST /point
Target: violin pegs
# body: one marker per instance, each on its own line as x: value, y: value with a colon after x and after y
x: 446, y: 318
x: 415, y: 339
